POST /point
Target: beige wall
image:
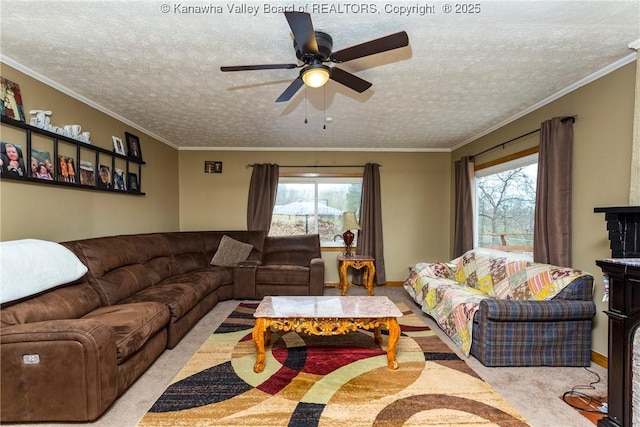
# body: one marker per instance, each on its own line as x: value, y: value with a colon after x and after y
x: 59, y: 213
x: 601, y: 166
x: 415, y: 198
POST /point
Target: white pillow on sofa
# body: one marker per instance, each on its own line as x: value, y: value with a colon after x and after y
x: 30, y: 266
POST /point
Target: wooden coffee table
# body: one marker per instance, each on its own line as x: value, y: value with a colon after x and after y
x: 325, y: 315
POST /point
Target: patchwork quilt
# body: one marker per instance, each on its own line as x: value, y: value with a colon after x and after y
x: 451, y: 292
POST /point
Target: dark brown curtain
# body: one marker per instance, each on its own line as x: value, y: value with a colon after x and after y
x: 370, y: 233
x: 262, y: 196
x: 465, y: 176
x: 552, y: 224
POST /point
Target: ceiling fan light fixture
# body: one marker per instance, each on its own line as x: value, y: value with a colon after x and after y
x: 316, y: 75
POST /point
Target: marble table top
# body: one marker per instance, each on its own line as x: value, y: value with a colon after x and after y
x: 339, y: 307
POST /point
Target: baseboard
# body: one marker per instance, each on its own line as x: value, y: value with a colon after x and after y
x: 599, y: 359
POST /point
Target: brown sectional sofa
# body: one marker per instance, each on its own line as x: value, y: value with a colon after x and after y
x: 68, y: 353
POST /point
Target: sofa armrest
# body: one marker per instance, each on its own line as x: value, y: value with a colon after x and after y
x: 57, y: 370
x: 316, y: 277
x: 528, y: 311
x: 244, y: 280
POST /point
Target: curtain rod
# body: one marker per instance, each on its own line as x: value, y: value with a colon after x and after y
x: 315, y: 166
x: 502, y: 144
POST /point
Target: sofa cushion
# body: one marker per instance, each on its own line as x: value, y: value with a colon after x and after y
x: 283, y: 275
x: 178, y: 297
x: 114, y: 268
x: 30, y: 266
x: 291, y: 250
x: 132, y: 324
x: 188, y: 250
x: 154, y: 253
x: 503, y: 276
x: 68, y: 302
x: 231, y: 252
x: 211, y: 277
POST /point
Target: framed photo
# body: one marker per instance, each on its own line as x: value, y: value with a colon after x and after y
x: 119, y: 182
x: 11, y: 105
x: 212, y: 166
x: 87, y: 175
x: 134, y: 185
x: 41, y: 166
x: 103, y: 179
x: 66, y: 169
x: 133, y: 146
x: 11, y: 160
x: 118, y: 145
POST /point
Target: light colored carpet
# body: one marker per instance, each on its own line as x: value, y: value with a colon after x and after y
x: 533, y: 392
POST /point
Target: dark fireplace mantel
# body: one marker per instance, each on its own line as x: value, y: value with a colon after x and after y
x: 623, y: 271
x: 623, y: 225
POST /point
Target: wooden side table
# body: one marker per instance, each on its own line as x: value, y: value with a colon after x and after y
x: 358, y: 262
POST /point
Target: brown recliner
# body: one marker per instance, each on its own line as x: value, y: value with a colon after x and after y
x: 291, y: 265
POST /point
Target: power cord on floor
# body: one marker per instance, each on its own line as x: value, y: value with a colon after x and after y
x: 591, y: 404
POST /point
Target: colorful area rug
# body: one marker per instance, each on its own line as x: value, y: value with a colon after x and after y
x: 328, y: 381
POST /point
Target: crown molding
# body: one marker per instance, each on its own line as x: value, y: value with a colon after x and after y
x: 364, y: 150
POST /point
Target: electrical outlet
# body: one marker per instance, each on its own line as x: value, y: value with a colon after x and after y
x: 31, y: 359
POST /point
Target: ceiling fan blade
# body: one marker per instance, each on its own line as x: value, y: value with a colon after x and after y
x: 303, y: 32
x: 258, y: 67
x: 291, y: 90
x: 349, y: 80
x: 383, y: 44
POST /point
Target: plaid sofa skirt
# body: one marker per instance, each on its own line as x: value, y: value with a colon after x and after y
x: 536, y: 333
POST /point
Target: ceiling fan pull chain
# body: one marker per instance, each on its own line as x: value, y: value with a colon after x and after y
x: 305, y: 105
x: 324, y: 107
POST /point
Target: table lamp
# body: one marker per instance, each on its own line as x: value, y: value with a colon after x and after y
x: 349, y: 223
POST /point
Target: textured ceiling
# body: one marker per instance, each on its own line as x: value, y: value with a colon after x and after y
x: 461, y: 75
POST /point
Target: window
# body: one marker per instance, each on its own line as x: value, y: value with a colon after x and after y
x: 315, y: 206
x: 505, y: 205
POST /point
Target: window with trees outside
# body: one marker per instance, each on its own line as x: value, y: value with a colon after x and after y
x: 505, y: 205
x: 315, y: 206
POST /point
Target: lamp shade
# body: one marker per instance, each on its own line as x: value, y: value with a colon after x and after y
x: 349, y: 221
x: 316, y: 75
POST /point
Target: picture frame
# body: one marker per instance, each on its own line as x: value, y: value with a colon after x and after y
x: 11, y: 160
x: 133, y: 183
x: 103, y: 177
x: 118, y: 145
x: 41, y: 166
x: 87, y: 174
x: 212, y: 166
x: 133, y: 146
x: 66, y: 169
x: 12, y: 100
x: 119, y: 182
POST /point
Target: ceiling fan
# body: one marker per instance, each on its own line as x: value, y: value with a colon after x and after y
x: 314, y: 49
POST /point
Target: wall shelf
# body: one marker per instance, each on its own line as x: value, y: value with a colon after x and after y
x: 132, y: 165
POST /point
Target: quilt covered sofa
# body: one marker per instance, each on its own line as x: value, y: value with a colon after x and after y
x: 67, y: 352
x: 507, y: 311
